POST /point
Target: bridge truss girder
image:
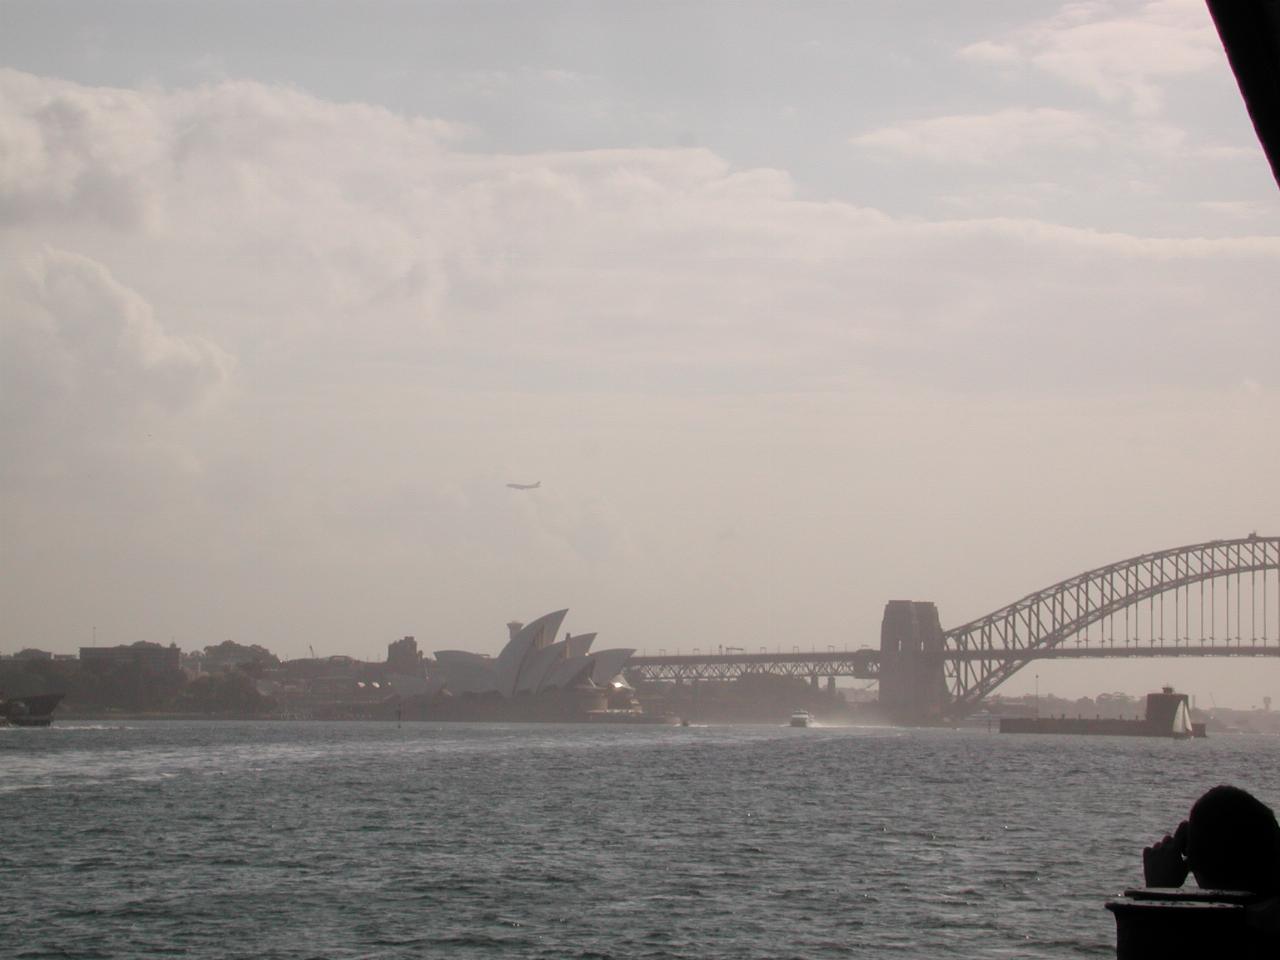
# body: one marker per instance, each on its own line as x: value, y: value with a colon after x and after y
x: 860, y: 664
x: 982, y: 654
x: 1150, y: 651
x: 865, y: 665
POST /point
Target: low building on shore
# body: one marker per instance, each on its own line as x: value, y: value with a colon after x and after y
x: 143, y: 656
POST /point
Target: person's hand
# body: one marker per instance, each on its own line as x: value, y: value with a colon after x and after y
x: 1162, y: 862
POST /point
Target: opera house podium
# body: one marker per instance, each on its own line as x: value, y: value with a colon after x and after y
x: 1168, y: 923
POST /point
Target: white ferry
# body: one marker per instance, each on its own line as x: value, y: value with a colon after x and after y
x: 801, y: 718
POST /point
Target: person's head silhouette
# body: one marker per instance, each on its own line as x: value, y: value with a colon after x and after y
x: 1233, y: 842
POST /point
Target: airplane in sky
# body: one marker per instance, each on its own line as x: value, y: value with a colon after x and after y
x: 525, y: 486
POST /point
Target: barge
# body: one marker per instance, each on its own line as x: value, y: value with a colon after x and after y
x: 1168, y: 715
x: 36, y: 711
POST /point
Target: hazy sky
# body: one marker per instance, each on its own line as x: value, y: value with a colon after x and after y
x: 793, y: 308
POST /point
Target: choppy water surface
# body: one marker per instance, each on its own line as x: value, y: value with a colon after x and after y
x: 363, y: 840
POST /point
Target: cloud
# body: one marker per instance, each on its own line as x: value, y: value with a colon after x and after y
x: 1236, y: 209
x: 84, y: 355
x: 1119, y: 129
x: 984, y: 138
x: 1121, y: 52
x: 989, y: 51
x: 71, y: 152
x: 304, y: 235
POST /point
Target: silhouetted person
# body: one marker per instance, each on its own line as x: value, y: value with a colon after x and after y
x: 1231, y: 841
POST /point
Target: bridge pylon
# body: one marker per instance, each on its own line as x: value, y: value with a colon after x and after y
x: 913, y: 683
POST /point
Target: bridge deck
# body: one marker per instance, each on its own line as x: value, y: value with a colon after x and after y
x: 864, y: 664
x: 860, y: 664
x: 1169, y: 649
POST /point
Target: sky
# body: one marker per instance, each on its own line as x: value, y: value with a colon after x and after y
x: 793, y: 309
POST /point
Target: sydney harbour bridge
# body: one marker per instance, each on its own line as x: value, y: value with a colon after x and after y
x: 1214, y: 599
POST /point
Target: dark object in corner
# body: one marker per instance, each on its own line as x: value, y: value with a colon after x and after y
x: 1250, y: 32
x: 1161, y: 923
x: 1230, y: 843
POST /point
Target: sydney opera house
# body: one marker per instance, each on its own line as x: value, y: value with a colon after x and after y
x: 535, y: 677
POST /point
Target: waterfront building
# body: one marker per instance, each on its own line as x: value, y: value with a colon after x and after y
x: 142, y: 656
x: 404, y: 657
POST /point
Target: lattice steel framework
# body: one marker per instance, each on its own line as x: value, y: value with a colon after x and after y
x: 861, y: 664
x: 1228, y: 591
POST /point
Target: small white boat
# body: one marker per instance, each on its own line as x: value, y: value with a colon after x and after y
x: 801, y: 718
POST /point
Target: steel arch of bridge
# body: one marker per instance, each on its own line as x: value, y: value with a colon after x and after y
x: 982, y: 654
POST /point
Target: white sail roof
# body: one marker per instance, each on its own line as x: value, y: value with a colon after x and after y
x: 568, y: 672
x: 580, y: 645
x: 532, y: 636
x: 536, y: 666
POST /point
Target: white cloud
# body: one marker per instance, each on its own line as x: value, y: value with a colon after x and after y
x: 1121, y: 51
x: 984, y: 138
x: 1236, y: 209
x: 85, y: 356
x: 73, y: 152
x: 989, y: 51
x: 287, y: 228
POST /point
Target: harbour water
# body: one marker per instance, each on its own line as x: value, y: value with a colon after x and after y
x: 279, y: 840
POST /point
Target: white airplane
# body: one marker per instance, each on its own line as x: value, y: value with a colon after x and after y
x: 525, y: 486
